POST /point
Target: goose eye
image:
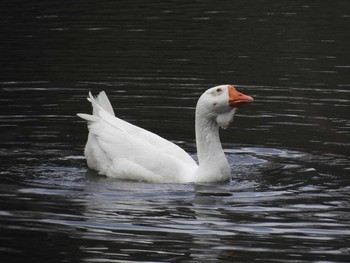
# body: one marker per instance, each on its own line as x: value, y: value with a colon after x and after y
x: 219, y: 90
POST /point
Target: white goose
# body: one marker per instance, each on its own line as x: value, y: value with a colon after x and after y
x: 118, y: 149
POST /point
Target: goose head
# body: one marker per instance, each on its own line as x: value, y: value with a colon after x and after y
x: 219, y: 104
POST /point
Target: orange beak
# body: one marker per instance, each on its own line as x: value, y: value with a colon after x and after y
x: 237, y: 99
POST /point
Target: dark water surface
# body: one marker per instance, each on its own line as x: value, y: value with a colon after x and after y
x: 288, y: 200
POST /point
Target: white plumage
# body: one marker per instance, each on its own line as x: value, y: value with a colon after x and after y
x: 119, y: 149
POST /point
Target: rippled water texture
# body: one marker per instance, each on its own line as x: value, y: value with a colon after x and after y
x: 288, y: 200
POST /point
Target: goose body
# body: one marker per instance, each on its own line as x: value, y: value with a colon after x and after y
x: 119, y: 149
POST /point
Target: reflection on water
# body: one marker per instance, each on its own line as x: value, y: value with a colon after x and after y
x: 279, y: 204
x: 289, y: 151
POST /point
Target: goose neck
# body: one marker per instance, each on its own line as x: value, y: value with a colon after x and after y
x: 209, y: 147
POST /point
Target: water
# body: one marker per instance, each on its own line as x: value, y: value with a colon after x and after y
x: 288, y: 200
